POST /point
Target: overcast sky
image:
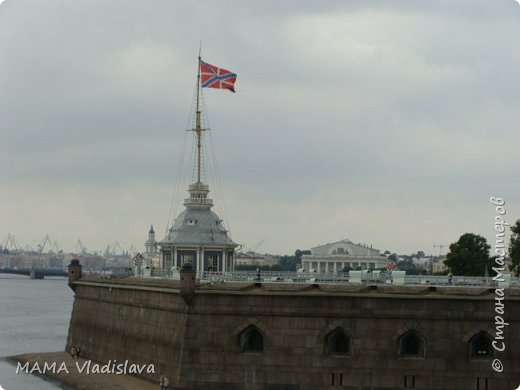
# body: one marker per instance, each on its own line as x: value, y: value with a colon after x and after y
x: 389, y: 123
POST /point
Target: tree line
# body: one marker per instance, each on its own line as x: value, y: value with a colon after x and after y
x: 470, y: 256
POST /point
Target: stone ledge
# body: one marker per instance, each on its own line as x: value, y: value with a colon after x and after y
x: 273, y: 288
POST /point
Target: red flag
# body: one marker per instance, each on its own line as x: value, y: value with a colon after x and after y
x: 214, y: 77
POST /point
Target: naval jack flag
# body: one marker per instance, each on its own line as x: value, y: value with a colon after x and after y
x: 212, y: 76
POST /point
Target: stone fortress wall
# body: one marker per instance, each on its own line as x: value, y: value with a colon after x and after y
x: 297, y: 337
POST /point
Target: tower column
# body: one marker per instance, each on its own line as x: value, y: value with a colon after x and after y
x: 224, y: 260
x: 200, y: 270
x: 175, y: 256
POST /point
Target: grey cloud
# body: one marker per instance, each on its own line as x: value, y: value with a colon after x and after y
x: 344, y: 112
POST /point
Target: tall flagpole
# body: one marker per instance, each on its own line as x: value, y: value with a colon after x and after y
x: 198, y: 128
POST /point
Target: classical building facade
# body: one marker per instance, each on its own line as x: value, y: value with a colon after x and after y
x: 338, y: 255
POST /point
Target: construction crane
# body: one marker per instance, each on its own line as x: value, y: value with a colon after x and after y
x: 111, y: 249
x: 56, y: 248
x: 254, y: 248
x: 81, y: 247
x: 10, y: 243
x: 41, y: 246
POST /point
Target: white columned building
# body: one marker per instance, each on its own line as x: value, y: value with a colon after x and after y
x: 333, y: 258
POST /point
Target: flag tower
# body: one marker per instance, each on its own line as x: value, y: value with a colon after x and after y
x: 198, y: 235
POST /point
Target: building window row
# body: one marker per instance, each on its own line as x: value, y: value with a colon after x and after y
x: 338, y: 343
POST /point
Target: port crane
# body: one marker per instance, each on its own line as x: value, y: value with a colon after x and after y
x: 10, y: 244
x: 81, y: 247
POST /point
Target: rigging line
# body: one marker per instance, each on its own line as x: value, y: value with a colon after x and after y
x: 194, y: 175
x: 214, y: 167
x: 179, y: 179
x: 219, y: 185
x: 177, y: 185
x: 184, y: 179
x: 180, y: 173
x: 218, y: 182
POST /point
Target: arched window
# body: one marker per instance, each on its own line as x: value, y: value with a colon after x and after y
x: 338, y: 343
x: 251, y: 340
x: 411, y: 345
x: 480, y: 346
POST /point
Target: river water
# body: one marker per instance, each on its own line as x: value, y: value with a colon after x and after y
x: 34, y: 317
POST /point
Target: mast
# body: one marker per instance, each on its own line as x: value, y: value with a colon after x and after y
x: 198, y: 191
x: 198, y: 128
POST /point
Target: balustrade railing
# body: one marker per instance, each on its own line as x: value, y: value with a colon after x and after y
x: 365, y: 277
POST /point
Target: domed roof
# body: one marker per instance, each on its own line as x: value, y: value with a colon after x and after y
x: 198, y: 226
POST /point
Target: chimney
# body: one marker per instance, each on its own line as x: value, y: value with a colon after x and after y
x: 187, y: 282
x: 74, y: 273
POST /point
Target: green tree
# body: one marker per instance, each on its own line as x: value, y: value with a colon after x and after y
x: 408, y: 266
x: 288, y: 263
x: 514, y: 248
x: 469, y: 256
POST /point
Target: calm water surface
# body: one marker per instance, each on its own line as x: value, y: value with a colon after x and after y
x: 34, y: 317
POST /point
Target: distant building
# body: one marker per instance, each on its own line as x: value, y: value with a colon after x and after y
x: 152, y: 253
x: 251, y: 258
x: 439, y: 266
x: 338, y: 255
x: 423, y: 263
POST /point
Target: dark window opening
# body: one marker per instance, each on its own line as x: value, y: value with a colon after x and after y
x: 411, y: 344
x: 341, y: 344
x: 338, y: 342
x: 251, y: 340
x: 480, y: 346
